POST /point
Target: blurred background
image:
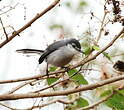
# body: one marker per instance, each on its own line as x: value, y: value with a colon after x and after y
x: 80, y: 19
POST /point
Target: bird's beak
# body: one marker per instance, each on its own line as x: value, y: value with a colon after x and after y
x: 79, y: 50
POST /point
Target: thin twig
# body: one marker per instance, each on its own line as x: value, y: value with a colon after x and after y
x: 39, y: 106
x: 50, y: 102
x: 101, y: 27
x: 7, y: 106
x: 29, y: 23
x: 97, y: 103
x: 4, y: 30
x: 121, y: 54
x: 19, y: 86
x: 11, y: 8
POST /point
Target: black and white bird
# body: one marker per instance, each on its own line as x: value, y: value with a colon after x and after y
x: 59, y: 53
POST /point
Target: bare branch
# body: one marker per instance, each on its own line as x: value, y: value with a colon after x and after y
x: 4, y: 30
x: 40, y: 76
x: 10, y: 8
x: 39, y: 106
x: 50, y: 102
x: 19, y: 86
x: 101, y: 27
x: 30, y: 23
x: 97, y: 103
x: 6, y: 106
x: 60, y: 93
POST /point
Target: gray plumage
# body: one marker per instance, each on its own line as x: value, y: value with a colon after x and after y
x: 58, y: 53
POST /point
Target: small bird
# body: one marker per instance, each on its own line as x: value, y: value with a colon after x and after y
x: 119, y: 66
x: 59, y: 53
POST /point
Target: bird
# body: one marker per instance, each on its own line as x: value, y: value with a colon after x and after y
x: 59, y: 53
x: 119, y: 66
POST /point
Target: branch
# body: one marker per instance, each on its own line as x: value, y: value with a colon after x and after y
x: 10, y: 8
x: 4, y: 105
x: 81, y: 63
x: 50, y: 102
x: 39, y: 106
x: 40, y: 76
x: 101, y: 27
x: 19, y: 87
x: 60, y: 93
x: 4, y: 30
x: 30, y: 23
x: 97, y: 103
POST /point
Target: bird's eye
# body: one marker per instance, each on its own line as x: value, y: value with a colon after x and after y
x: 73, y: 45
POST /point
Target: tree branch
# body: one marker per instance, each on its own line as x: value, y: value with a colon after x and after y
x: 4, y: 30
x: 29, y: 23
x: 97, y: 103
x: 101, y: 27
x: 60, y: 93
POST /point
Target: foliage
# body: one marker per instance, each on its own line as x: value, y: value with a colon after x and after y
x: 78, y: 77
x: 78, y: 103
x: 52, y: 80
x: 116, y: 102
x: 56, y: 26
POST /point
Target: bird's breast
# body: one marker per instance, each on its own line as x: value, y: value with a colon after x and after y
x: 61, y: 57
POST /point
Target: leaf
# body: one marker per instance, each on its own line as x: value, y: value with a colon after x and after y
x: 51, y: 80
x: 82, y: 4
x: 121, y: 92
x: 52, y: 68
x: 55, y: 26
x: 81, y: 102
x: 87, y: 50
x: 77, y: 77
x: 106, y: 93
x: 107, y: 55
x: 68, y: 4
x: 96, y: 48
x: 116, y: 102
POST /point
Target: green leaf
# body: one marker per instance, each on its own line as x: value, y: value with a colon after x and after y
x: 81, y: 102
x: 121, y: 92
x: 107, y: 55
x: 68, y: 4
x: 52, y: 68
x: 82, y: 4
x: 96, y: 48
x: 51, y: 80
x: 55, y: 26
x: 77, y: 77
x: 116, y: 102
x: 106, y: 93
x: 87, y: 50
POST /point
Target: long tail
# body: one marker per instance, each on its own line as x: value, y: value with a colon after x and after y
x: 28, y: 51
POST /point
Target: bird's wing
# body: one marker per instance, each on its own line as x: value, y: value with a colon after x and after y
x: 51, y: 48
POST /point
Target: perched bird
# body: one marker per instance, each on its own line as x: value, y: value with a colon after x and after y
x: 119, y: 66
x: 59, y: 53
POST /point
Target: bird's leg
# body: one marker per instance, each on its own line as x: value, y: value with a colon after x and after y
x: 47, y: 70
x: 66, y: 68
